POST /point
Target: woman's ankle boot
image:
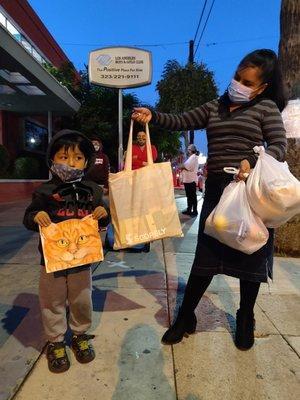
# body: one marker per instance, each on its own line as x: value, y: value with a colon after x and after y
x: 245, y: 325
x: 184, y: 323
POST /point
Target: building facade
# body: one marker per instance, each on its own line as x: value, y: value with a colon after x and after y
x: 32, y: 101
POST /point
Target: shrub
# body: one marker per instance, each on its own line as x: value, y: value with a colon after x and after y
x: 26, y: 168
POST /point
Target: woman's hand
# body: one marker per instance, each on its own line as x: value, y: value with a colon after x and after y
x: 142, y: 115
x: 42, y: 218
x: 243, y: 171
x: 99, y: 213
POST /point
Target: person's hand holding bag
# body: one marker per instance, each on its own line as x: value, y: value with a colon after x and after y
x: 142, y: 115
x: 244, y: 171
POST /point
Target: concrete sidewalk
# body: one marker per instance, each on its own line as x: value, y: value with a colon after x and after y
x: 134, y: 296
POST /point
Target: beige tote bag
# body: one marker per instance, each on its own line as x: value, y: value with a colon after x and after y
x: 142, y: 202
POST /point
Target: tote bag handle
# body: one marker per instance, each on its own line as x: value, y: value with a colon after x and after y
x: 128, y: 158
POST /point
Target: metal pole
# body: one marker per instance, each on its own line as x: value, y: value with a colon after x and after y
x: 191, y: 61
x: 49, y: 126
x: 49, y: 133
x: 120, y: 152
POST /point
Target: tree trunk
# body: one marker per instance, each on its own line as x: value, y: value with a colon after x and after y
x: 289, y: 46
x: 287, y: 236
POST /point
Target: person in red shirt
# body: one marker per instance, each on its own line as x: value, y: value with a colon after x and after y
x: 139, y: 151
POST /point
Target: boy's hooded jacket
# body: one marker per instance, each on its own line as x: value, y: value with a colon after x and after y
x: 64, y: 200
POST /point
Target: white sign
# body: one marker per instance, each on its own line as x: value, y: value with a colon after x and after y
x: 120, y: 67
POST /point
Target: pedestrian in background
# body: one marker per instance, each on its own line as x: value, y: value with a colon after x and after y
x: 190, y: 179
x: 98, y: 173
x: 139, y: 151
x: 246, y: 115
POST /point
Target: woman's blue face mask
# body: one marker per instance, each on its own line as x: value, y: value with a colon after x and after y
x: 239, y: 93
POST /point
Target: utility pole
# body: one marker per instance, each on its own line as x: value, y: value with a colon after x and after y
x: 191, y: 51
x: 190, y: 61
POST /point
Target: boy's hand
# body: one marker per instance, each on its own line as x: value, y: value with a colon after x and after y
x: 42, y: 218
x: 99, y: 213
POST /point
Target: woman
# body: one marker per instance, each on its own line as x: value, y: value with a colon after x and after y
x: 247, y: 115
x: 190, y: 179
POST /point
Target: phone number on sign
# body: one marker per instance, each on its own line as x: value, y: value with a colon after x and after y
x: 106, y: 76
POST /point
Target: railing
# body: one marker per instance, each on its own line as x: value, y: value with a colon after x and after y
x: 20, y: 37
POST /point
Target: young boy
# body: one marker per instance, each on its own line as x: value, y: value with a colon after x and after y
x: 67, y: 195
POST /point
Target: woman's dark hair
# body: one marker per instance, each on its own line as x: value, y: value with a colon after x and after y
x: 70, y: 139
x: 267, y: 61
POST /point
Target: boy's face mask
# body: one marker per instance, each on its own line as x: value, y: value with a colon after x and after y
x: 66, y: 173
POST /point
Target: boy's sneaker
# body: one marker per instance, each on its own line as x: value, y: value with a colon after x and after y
x: 83, y: 350
x: 57, y: 357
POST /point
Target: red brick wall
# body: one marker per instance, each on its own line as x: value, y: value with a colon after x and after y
x: 12, y: 128
x: 15, y: 191
x: 24, y: 15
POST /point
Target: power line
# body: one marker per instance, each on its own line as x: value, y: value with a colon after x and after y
x: 238, y: 41
x: 207, y: 18
x: 131, y: 45
x: 200, y: 19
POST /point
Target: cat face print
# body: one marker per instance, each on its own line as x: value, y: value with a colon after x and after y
x: 71, y: 243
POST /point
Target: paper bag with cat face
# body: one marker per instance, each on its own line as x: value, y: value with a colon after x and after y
x: 71, y: 243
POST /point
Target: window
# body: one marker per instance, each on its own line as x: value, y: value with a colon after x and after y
x: 11, y: 29
x: 2, y: 19
x: 5, y: 89
x: 31, y: 90
x: 36, y: 55
x: 35, y: 137
x: 26, y: 44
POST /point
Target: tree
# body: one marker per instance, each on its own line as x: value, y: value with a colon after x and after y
x: 66, y: 75
x: 184, y: 87
x: 287, y: 236
x: 98, y: 114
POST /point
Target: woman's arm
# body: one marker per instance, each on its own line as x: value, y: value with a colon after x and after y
x: 193, y: 119
x: 274, y: 133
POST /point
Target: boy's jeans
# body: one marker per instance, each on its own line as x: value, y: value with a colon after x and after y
x: 55, y: 293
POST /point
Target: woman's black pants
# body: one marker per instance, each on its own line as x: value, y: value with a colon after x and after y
x: 190, y: 190
x: 197, y: 285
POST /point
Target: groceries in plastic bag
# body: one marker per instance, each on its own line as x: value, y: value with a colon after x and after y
x: 233, y: 223
x: 273, y: 192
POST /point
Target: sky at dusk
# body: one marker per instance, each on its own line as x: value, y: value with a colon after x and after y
x: 164, y: 27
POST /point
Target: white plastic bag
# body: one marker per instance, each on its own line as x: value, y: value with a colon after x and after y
x: 233, y: 223
x: 273, y: 192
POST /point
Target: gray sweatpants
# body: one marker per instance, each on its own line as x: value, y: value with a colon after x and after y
x: 55, y: 293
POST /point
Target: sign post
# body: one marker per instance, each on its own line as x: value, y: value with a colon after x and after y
x: 120, y: 150
x: 121, y: 68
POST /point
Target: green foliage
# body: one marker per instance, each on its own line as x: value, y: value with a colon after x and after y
x: 4, y: 159
x: 98, y: 115
x: 26, y: 168
x: 185, y: 87
x: 66, y: 75
x: 166, y: 143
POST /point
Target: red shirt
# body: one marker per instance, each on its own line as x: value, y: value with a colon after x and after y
x: 139, y: 155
